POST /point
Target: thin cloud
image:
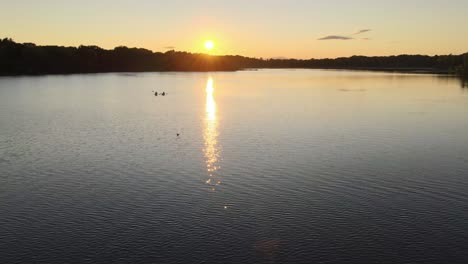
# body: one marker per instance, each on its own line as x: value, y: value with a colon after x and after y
x: 362, y: 31
x: 169, y: 47
x: 346, y: 37
x: 334, y: 37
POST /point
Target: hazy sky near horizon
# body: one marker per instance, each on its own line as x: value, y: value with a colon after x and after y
x: 256, y: 28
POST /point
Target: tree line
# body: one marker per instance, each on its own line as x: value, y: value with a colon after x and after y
x: 31, y: 59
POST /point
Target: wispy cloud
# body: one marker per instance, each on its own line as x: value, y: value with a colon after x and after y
x: 346, y: 37
x: 335, y: 37
x: 362, y: 31
x: 169, y: 47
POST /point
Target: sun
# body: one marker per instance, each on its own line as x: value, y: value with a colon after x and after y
x: 209, y: 44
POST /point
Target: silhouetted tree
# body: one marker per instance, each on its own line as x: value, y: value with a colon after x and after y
x: 29, y: 58
x: 465, y: 64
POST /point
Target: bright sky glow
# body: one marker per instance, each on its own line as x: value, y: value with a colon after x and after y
x: 260, y: 28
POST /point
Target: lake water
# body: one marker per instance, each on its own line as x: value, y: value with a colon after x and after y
x: 271, y: 166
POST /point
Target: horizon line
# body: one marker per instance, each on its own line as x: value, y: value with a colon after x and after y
x: 221, y: 55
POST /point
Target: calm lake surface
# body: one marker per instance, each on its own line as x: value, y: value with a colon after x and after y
x: 271, y: 166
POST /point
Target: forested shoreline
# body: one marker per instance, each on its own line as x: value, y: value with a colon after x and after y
x: 31, y: 59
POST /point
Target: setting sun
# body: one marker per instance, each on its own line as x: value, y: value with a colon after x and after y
x: 209, y: 45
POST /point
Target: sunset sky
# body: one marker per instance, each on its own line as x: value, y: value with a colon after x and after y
x: 261, y: 28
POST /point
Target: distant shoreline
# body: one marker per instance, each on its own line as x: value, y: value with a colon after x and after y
x: 371, y: 69
x: 393, y: 70
x: 384, y: 70
x: 17, y: 59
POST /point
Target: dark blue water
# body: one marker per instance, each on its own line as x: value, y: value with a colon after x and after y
x: 271, y: 166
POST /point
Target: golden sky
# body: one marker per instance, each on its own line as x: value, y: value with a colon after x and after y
x: 261, y: 28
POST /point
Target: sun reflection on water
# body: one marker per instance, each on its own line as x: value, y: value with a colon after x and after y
x: 210, y: 135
